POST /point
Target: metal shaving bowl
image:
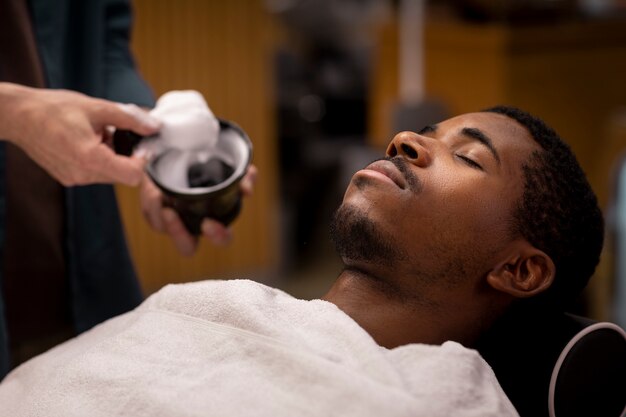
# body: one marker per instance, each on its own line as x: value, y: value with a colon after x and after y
x: 222, y: 201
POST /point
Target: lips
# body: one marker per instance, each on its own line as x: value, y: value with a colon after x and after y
x: 389, y: 170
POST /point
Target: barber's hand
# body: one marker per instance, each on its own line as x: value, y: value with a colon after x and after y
x: 166, y: 220
x: 63, y: 132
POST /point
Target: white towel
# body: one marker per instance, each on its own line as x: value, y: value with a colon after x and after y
x: 235, y: 348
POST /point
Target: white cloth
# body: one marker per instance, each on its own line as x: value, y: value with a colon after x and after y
x: 231, y: 348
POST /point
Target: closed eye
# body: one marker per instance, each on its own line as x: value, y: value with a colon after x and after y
x: 470, y: 162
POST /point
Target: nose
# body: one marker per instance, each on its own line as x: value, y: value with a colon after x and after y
x: 411, y: 146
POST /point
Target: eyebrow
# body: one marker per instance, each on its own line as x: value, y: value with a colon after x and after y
x: 427, y: 129
x: 472, y: 133
x: 478, y: 135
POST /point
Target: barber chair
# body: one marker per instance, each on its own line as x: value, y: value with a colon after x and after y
x: 559, y: 365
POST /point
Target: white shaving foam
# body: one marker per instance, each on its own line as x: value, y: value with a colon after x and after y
x: 188, y: 123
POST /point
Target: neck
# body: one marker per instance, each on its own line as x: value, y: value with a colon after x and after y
x: 394, y: 318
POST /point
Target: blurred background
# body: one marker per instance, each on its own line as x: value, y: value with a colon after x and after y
x: 321, y: 86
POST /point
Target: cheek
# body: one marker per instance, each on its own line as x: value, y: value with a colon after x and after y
x: 459, y: 208
x: 472, y: 208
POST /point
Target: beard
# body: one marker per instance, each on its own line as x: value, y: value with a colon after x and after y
x: 357, y: 238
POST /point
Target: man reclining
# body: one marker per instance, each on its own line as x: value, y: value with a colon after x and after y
x: 458, y: 225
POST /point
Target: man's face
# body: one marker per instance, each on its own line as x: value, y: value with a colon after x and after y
x: 439, y: 208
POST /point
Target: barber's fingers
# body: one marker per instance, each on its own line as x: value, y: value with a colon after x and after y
x: 216, y: 232
x: 125, y: 116
x: 151, y: 200
x: 248, y: 181
x: 185, y: 243
x: 107, y: 166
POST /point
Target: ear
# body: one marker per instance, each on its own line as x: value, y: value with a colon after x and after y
x: 526, y: 272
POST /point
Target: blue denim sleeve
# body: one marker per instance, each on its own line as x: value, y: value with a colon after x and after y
x: 122, y: 78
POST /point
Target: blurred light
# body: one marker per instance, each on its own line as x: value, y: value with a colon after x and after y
x: 311, y: 108
x: 595, y: 7
x: 280, y: 6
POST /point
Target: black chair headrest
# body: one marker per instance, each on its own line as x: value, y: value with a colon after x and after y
x: 589, y: 377
x: 523, y: 351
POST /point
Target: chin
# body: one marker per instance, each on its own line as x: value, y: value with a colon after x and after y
x: 358, y: 239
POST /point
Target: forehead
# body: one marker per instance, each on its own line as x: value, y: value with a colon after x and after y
x: 510, y: 139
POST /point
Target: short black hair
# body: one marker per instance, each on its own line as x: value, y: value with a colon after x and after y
x: 558, y: 212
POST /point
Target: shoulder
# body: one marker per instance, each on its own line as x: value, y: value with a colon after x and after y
x: 453, y: 373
